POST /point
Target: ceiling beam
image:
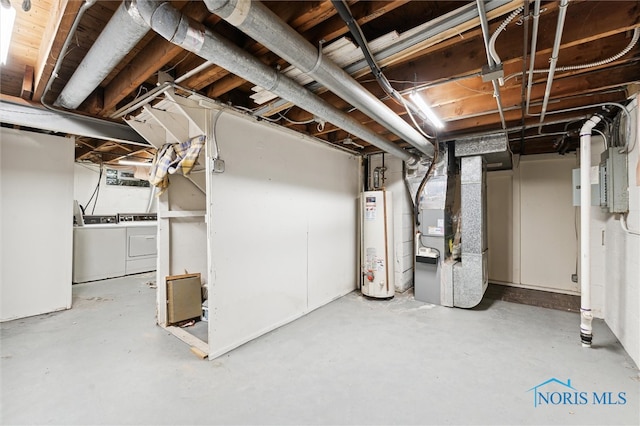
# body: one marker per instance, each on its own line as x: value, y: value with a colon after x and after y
x: 363, y: 12
x: 491, y: 121
x: 418, y: 39
x: 315, y: 13
x: 303, y: 13
x: 27, y: 83
x: 104, y: 148
x: 585, y: 82
x: 468, y: 55
x: 374, y: 10
x: 23, y: 115
x: 224, y: 85
x: 58, y: 26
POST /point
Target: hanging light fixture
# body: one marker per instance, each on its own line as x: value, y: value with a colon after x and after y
x: 428, y: 112
x: 7, y: 19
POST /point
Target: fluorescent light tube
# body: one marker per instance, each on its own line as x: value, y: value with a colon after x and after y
x: 134, y: 163
x: 7, y: 19
x: 417, y: 99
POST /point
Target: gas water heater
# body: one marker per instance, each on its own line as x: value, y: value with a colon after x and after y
x: 377, y: 249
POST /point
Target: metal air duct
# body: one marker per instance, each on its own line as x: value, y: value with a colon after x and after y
x: 257, y: 21
x: 180, y: 30
x: 121, y: 34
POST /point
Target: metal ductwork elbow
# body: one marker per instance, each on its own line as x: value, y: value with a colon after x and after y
x: 168, y: 22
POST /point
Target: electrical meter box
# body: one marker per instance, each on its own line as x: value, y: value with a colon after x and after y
x: 614, y: 181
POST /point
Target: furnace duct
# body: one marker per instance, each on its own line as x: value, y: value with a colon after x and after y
x: 119, y: 37
x: 257, y: 21
x: 180, y: 30
x: 440, y: 276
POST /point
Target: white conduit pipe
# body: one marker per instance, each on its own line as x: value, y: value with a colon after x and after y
x: 554, y: 56
x: 586, y: 317
x: 625, y: 227
x: 532, y: 52
x: 632, y: 43
x: 634, y: 40
x: 494, y: 37
x: 484, y: 24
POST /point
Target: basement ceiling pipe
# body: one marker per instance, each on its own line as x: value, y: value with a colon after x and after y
x: 562, y: 14
x: 494, y: 37
x: 532, y: 52
x: 586, y: 317
x: 194, y: 37
x: 264, y: 26
x: 482, y: 13
x: 427, y: 32
x: 120, y: 35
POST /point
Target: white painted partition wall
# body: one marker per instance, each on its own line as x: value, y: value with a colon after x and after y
x: 275, y: 235
x: 36, y: 227
x: 531, y: 224
x: 282, y: 229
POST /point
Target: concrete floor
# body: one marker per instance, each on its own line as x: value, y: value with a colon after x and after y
x: 354, y: 361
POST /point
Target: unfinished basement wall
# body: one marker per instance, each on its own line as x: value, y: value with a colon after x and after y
x: 283, y: 219
x: 36, y: 223
x: 112, y: 199
x: 403, y: 224
x: 515, y: 214
x: 622, y: 258
x: 532, y: 224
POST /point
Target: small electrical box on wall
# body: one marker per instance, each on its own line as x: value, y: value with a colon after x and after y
x: 614, y: 183
x: 595, y: 187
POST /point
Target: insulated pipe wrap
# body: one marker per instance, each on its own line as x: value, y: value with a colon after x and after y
x: 267, y: 28
x: 171, y: 24
x: 164, y: 20
x: 175, y: 27
x: 121, y: 34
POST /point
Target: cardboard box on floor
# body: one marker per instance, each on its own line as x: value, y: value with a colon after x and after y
x: 184, y: 297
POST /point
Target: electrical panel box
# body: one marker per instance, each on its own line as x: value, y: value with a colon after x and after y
x: 614, y: 182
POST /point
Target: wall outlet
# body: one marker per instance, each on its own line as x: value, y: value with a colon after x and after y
x: 574, y: 278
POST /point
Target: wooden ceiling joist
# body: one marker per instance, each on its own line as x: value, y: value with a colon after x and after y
x: 58, y: 26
